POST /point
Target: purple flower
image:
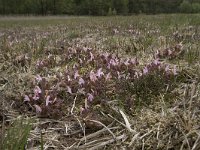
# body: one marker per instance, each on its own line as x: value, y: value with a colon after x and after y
x: 105, y: 55
x: 108, y: 76
x: 174, y: 70
x: 169, y: 52
x: 38, y: 108
x: 90, y: 97
x: 113, y: 62
x: 145, y: 70
x: 38, y: 78
x: 47, y: 100
x: 133, y: 61
x: 167, y: 68
x: 26, y: 98
x: 76, y: 75
x: 99, y: 72
x: 39, y: 63
x: 156, y: 62
x: 81, y: 81
x: 36, y: 97
x: 37, y: 90
x: 93, y: 76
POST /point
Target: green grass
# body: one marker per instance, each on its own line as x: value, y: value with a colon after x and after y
x: 16, y: 136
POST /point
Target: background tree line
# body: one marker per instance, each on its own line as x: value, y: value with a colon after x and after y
x: 98, y: 7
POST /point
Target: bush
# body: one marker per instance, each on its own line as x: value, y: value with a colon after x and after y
x: 185, y: 7
x: 196, y: 7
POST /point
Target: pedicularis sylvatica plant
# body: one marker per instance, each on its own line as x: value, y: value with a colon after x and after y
x: 94, y: 77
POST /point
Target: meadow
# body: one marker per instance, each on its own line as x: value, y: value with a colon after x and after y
x: 120, y: 82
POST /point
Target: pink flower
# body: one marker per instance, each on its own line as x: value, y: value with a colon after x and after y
x: 169, y: 52
x: 156, y: 62
x: 37, y: 90
x: 133, y: 61
x: 26, y: 98
x: 47, y: 100
x: 105, y: 55
x: 90, y: 97
x: 76, y: 75
x: 82, y: 109
x: 108, y: 76
x: 39, y: 63
x: 167, y: 68
x: 38, y: 108
x: 36, y: 97
x: 114, y: 62
x: 145, y: 70
x: 174, y: 70
x: 38, y: 78
x: 93, y: 77
x: 99, y: 72
x: 81, y: 81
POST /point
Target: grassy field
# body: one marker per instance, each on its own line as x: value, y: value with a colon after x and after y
x: 124, y: 82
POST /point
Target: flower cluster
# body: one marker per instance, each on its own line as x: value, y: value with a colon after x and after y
x: 91, y: 76
x: 171, y: 52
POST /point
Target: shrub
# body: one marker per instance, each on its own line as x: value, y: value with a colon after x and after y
x: 185, y: 7
x: 196, y: 7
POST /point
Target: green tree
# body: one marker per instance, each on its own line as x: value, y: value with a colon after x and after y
x: 196, y: 7
x: 185, y: 7
x: 121, y: 6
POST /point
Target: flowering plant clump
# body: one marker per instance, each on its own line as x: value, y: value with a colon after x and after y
x: 171, y: 52
x: 93, y: 77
